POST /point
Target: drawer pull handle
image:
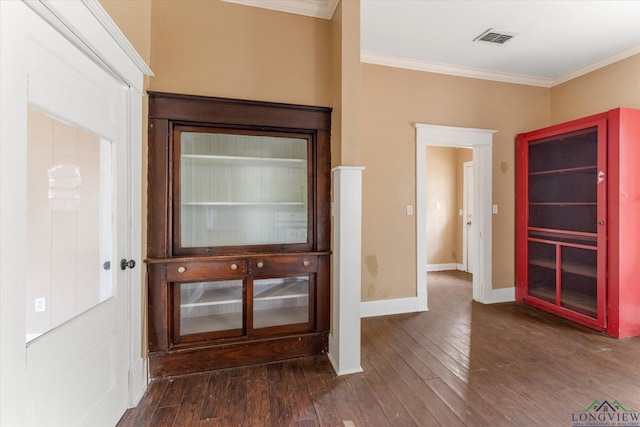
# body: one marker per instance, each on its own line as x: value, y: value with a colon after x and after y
x: 234, y: 266
x: 181, y: 269
x: 260, y: 264
x: 306, y: 263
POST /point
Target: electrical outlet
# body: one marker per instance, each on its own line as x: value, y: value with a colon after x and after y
x: 409, y: 209
x: 40, y: 304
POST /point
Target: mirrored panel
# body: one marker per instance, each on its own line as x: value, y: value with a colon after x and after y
x: 69, y: 222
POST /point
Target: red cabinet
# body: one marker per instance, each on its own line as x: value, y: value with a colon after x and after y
x: 578, y: 221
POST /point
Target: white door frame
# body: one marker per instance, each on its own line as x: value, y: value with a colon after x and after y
x: 88, y: 27
x: 465, y: 215
x: 481, y: 140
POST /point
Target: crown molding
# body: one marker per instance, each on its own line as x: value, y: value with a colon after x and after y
x: 619, y: 56
x: 323, y: 9
x: 433, y: 67
x: 107, y: 22
x: 475, y: 73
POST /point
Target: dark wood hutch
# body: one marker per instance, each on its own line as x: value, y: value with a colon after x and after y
x: 238, y: 232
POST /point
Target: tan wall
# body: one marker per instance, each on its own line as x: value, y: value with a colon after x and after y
x: 345, y: 84
x: 223, y: 49
x: 442, y: 195
x: 393, y: 100
x: 336, y: 87
x: 350, y: 83
x: 616, y: 85
x: 134, y: 20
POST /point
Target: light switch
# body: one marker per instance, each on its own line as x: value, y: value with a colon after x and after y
x: 495, y: 209
x: 409, y: 210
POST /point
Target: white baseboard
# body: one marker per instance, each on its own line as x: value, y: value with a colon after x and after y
x: 410, y: 305
x: 348, y: 363
x: 461, y: 267
x: 386, y: 307
x: 501, y: 295
x: 342, y: 372
x: 441, y: 267
x: 138, y: 379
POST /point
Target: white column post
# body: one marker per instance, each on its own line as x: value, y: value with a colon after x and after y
x: 344, y: 339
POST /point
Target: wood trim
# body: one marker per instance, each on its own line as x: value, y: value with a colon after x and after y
x: 158, y: 215
x: 158, y: 308
x: 323, y: 191
x: 185, y: 361
x: 522, y: 219
x: 203, y: 109
x: 322, y: 318
x: 231, y: 256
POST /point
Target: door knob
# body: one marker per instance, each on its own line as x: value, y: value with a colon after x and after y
x: 124, y: 264
x: 469, y: 223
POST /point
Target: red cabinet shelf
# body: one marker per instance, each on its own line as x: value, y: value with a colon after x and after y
x: 577, y: 208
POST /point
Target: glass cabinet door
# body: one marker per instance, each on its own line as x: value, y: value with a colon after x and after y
x: 580, y: 280
x: 280, y: 301
x: 217, y: 309
x: 242, y: 190
x: 214, y: 307
x: 566, y: 212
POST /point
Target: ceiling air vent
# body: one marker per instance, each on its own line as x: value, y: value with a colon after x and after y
x: 495, y: 36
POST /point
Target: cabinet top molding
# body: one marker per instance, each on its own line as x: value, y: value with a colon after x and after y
x: 237, y: 112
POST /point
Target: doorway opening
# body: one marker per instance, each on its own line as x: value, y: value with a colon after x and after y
x: 480, y: 141
x: 467, y: 217
x: 449, y: 215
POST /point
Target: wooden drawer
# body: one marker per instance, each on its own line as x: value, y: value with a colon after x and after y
x: 283, y: 265
x: 189, y: 271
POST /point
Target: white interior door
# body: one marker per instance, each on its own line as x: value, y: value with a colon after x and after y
x: 467, y: 214
x: 78, y: 214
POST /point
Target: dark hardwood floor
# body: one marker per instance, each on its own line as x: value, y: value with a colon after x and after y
x: 461, y: 363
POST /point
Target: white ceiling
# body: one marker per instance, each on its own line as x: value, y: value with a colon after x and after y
x: 557, y: 40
